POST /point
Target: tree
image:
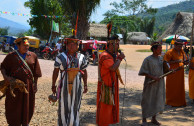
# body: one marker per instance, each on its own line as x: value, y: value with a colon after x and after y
x: 27, y: 33
x: 81, y: 9
x: 40, y: 10
x: 132, y: 7
x: 154, y: 37
x: 4, y: 31
x: 134, y: 21
x: 109, y: 14
x: 147, y: 25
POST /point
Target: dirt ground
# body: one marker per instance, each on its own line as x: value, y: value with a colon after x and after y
x: 46, y: 113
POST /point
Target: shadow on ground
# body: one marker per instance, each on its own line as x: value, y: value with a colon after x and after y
x: 130, y: 111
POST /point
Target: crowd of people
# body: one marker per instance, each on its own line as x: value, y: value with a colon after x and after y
x: 71, y: 68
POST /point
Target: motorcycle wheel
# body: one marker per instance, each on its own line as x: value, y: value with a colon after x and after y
x: 46, y: 56
x: 54, y: 56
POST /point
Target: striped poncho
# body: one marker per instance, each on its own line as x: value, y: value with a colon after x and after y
x: 69, y: 104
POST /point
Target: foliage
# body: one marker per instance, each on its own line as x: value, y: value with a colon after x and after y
x: 27, y: 33
x: 130, y: 23
x: 147, y: 25
x: 132, y: 7
x: 42, y: 25
x: 163, y: 18
x: 81, y: 9
x: 154, y: 37
x: 4, y: 31
x: 122, y: 24
x: 166, y: 15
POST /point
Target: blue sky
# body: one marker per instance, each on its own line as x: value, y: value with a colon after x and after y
x: 17, y: 6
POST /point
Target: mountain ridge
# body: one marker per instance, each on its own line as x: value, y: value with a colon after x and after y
x: 14, y: 27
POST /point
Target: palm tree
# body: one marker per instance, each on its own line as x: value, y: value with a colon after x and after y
x: 83, y: 9
x: 147, y: 25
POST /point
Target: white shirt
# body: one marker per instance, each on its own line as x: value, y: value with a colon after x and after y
x: 58, y: 45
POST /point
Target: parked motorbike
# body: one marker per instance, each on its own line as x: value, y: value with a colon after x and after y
x: 49, y: 53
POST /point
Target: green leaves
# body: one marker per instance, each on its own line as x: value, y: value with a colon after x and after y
x: 42, y: 24
x: 85, y: 9
x: 4, y: 31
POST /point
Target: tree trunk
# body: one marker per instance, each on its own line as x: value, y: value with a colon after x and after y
x: 83, y: 27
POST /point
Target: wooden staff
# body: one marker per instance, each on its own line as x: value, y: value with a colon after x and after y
x: 166, y: 74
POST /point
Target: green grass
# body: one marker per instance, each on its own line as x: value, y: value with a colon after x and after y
x: 147, y: 50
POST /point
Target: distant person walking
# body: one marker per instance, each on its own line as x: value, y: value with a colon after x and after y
x: 58, y: 45
x: 153, y: 96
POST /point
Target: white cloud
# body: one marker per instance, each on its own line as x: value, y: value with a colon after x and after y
x: 161, y: 3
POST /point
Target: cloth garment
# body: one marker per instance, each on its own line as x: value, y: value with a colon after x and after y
x: 153, y: 96
x: 191, y: 80
x: 19, y: 109
x: 69, y: 104
x: 58, y: 45
x: 106, y: 113
x: 175, y: 85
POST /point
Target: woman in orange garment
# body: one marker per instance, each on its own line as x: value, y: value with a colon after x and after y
x: 175, y: 87
x: 191, y: 78
x: 108, y: 88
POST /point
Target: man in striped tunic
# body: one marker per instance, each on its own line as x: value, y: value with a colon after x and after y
x: 72, y: 66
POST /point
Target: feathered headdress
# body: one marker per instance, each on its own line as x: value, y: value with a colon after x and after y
x: 109, y: 28
x: 114, y: 38
x: 74, y: 32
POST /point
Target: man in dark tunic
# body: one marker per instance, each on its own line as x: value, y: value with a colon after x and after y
x: 23, y: 65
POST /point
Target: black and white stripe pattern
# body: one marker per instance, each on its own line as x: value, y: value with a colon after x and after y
x: 69, y: 105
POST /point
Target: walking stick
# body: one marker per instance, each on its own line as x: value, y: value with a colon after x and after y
x: 166, y: 74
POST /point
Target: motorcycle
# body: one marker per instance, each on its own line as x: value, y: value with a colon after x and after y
x: 49, y: 53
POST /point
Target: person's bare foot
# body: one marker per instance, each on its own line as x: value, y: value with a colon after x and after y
x: 155, y: 122
x: 144, y: 124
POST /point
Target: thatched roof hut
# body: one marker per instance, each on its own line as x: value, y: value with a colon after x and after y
x: 98, y: 31
x: 182, y: 25
x: 137, y: 38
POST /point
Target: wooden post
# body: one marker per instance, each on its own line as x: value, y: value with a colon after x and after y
x: 191, y: 41
x: 166, y: 47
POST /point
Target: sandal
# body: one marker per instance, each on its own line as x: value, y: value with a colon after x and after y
x: 156, y: 122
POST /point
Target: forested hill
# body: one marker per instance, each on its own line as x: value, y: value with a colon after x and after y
x: 166, y: 15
